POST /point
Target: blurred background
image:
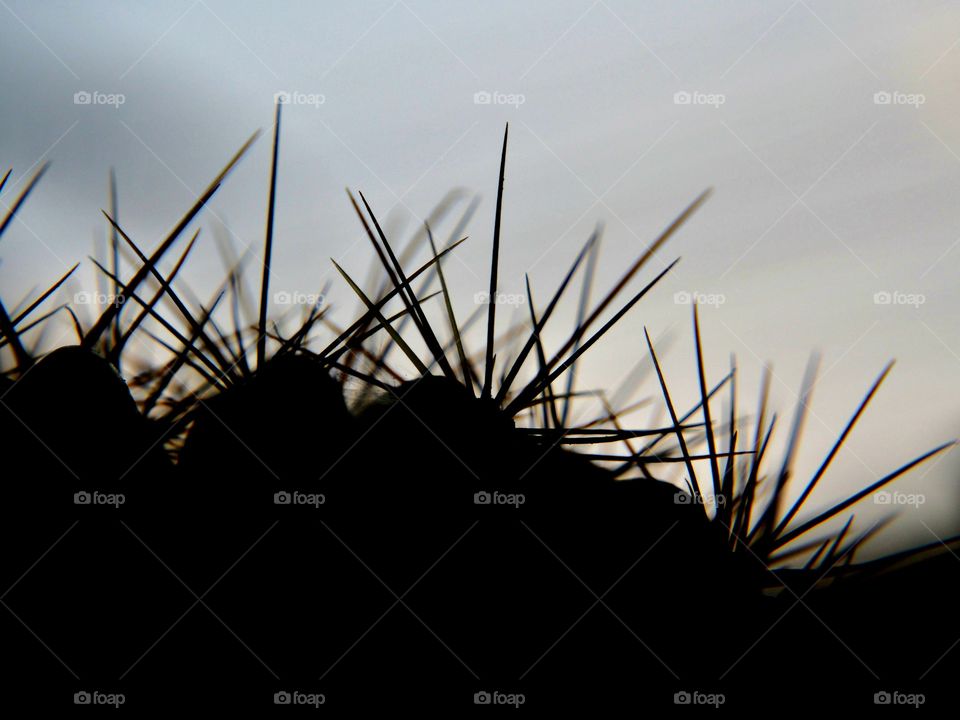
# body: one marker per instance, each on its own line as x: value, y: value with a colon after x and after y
x: 828, y: 131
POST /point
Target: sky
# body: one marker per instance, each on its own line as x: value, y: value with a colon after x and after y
x: 828, y: 132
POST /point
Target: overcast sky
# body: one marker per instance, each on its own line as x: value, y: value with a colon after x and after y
x: 829, y: 132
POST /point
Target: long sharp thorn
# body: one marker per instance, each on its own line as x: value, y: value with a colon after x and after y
x: 386, y: 325
x: 542, y: 358
x: 856, y: 497
x: 494, y: 264
x: 49, y: 291
x: 730, y: 472
x: 24, y: 194
x: 208, y: 378
x: 640, y: 262
x: 812, y: 561
x: 773, y: 508
x: 103, y: 322
x: 528, y: 346
x: 268, y: 246
x: 690, y: 413
x: 178, y: 303
x: 391, y: 276
x: 129, y: 295
x: 692, y: 479
x: 237, y: 331
x: 181, y: 358
x: 114, y: 254
x: 837, y: 541
x: 451, y: 317
x: 753, y: 483
x: 833, y: 451
x: 532, y: 390
x: 585, y: 291
x: 33, y: 323
x: 405, y: 256
x: 19, y: 352
x: 417, y: 315
x: 612, y: 416
x: 364, y: 320
x: 724, y: 501
x: 705, y: 405
x: 357, y: 339
x: 77, y: 327
x: 749, y: 491
x: 367, y: 354
x: 117, y: 349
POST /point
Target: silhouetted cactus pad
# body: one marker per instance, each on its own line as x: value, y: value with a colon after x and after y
x: 286, y: 423
x: 72, y: 421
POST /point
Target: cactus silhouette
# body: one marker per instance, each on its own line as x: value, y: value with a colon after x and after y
x: 267, y: 514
